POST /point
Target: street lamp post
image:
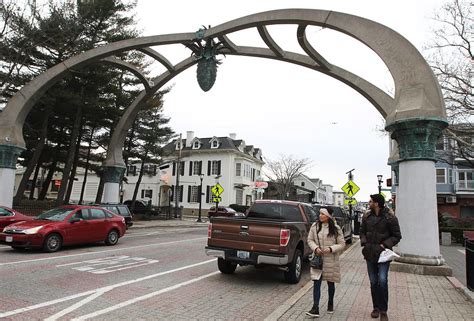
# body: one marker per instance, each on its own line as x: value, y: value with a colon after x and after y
x: 379, y: 177
x: 201, y: 176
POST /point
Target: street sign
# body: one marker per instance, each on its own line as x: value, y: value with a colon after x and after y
x: 217, y: 189
x: 261, y: 184
x: 216, y: 199
x: 350, y: 201
x: 350, y: 188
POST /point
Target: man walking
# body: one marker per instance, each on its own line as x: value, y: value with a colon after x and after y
x: 379, y: 230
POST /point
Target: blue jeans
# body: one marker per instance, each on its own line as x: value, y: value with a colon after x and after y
x: 378, y: 275
x: 317, y: 292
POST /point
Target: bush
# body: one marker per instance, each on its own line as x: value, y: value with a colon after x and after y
x: 455, y: 225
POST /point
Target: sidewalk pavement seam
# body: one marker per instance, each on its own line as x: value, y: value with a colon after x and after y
x: 275, y: 315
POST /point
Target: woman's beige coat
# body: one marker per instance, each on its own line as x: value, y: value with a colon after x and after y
x: 331, y: 269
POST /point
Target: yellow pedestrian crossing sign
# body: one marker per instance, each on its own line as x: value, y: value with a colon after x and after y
x: 350, y: 188
x: 216, y: 199
x: 217, y: 189
x: 350, y: 201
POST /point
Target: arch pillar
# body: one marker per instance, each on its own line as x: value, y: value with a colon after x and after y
x: 112, y: 177
x: 8, y: 157
x: 416, y: 194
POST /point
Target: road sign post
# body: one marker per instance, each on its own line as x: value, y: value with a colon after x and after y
x: 350, y: 188
x: 217, y: 190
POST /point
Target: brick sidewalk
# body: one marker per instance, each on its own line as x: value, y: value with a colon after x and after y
x: 411, y: 296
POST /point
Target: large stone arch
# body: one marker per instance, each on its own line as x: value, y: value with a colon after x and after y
x: 415, y: 115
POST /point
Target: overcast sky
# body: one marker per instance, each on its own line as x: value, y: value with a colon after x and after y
x: 283, y: 108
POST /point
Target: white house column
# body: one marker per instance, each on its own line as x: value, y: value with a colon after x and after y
x: 416, y: 194
x: 112, y: 176
x: 8, y: 157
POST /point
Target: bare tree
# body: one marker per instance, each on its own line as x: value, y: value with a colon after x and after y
x: 451, y: 56
x: 284, y: 170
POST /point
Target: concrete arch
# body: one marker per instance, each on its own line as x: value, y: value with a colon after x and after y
x: 415, y: 116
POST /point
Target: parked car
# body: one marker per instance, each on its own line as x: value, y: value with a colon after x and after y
x: 119, y: 209
x: 141, y: 207
x: 274, y: 233
x: 9, y: 216
x: 223, y: 211
x: 342, y: 218
x: 65, y: 225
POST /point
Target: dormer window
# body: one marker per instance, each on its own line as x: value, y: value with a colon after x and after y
x: 196, y: 144
x: 214, y: 142
x: 179, y: 145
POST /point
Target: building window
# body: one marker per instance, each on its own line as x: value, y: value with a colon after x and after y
x: 215, y: 168
x: 440, y: 176
x: 238, y: 169
x: 196, y: 145
x: 302, y: 184
x: 147, y: 193
x: 215, y: 144
x: 440, y: 144
x: 239, y: 196
x: 194, y: 194
x: 197, y: 168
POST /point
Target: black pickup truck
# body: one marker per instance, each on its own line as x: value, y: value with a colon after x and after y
x: 272, y: 233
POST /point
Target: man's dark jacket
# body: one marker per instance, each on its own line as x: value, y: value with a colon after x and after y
x: 376, y: 230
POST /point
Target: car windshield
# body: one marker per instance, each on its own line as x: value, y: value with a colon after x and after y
x: 56, y: 214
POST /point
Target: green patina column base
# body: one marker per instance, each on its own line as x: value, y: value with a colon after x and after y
x: 113, y: 174
x: 417, y: 137
x: 9, y: 155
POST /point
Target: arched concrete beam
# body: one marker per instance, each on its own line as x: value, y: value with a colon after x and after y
x: 128, y: 66
x: 417, y: 93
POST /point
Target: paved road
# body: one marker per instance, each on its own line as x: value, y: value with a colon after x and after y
x: 150, y: 274
x: 455, y: 256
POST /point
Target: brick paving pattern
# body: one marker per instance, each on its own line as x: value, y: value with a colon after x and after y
x: 411, y: 296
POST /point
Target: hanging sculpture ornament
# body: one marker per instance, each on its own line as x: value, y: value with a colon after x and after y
x: 205, y: 51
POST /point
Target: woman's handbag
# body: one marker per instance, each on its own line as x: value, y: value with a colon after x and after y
x: 316, y: 261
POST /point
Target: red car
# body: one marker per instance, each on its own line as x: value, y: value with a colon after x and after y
x: 65, y: 225
x: 9, y: 216
x: 223, y: 211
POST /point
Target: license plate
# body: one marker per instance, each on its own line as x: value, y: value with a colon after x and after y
x: 243, y: 254
x: 9, y: 239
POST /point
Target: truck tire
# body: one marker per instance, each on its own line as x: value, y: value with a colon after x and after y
x: 293, y: 275
x: 226, y: 267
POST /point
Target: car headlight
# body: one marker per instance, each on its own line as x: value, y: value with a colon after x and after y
x: 33, y: 230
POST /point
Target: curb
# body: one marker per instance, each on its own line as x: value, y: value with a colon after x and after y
x: 288, y: 304
x: 461, y: 288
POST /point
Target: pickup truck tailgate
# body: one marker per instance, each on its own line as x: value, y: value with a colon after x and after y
x: 248, y: 235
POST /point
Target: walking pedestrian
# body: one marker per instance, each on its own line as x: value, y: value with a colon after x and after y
x: 325, y: 238
x: 379, y: 231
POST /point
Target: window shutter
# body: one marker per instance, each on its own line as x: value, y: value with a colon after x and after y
x: 181, y: 193
x: 154, y: 170
x: 208, y: 168
x: 181, y: 168
x: 172, y: 193
x: 174, y: 168
x: 190, y: 168
x: 200, y: 167
x: 143, y: 193
x: 208, y: 191
x: 218, y: 167
x: 189, y: 193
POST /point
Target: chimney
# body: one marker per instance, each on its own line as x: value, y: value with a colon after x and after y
x: 233, y: 135
x: 189, y: 138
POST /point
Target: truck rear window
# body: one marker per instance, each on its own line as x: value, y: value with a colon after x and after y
x: 274, y: 211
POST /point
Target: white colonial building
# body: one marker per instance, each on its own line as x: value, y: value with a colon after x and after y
x: 322, y: 192
x: 228, y: 161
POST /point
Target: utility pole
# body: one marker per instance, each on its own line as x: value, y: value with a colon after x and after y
x: 350, y: 177
x: 178, y: 172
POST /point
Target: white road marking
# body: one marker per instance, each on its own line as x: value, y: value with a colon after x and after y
x: 114, y: 265
x: 98, y: 252
x: 94, y: 293
x: 143, y: 297
x: 463, y: 251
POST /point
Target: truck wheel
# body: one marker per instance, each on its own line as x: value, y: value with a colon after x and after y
x: 226, y: 267
x: 293, y: 275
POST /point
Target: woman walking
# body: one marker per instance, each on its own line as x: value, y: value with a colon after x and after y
x: 325, y: 238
